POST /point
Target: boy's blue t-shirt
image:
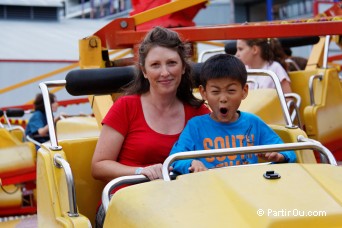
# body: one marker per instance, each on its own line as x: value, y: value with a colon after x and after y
x: 203, y: 133
x: 37, y: 120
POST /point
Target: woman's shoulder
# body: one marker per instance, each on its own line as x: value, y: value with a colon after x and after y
x: 129, y: 98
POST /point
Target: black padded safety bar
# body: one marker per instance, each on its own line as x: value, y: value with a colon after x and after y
x: 14, y: 112
x: 1, y: 113
x: 98, y: 81
x: 105, y: 80
x: 230, y: 47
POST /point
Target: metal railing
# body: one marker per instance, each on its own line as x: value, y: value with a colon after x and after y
x: 302, y: 144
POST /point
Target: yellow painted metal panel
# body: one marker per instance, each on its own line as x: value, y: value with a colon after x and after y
x: 232, y: 197
x: 90, y: 53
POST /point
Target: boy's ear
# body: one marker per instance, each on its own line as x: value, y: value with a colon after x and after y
x: 245, y: 91
x: 202, y: 92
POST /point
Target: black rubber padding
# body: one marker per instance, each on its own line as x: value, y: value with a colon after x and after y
x: 98, y: 81
x: 15, y: 112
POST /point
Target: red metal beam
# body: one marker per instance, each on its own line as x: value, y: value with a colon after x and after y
x: 115, y: 35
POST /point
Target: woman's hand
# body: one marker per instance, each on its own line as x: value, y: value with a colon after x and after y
x: 197, y: 166
x: 153, y: 172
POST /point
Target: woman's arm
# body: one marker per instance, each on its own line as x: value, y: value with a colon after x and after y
x: 104, y: 163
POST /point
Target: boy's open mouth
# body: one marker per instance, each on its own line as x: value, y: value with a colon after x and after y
x: 223, y: 110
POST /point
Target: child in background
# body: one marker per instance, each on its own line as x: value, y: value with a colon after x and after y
x: 223, y: 84
x: 265, y: 54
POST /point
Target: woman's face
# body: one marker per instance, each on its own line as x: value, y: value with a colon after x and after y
x: 163, y: 69
x: 244, y: 52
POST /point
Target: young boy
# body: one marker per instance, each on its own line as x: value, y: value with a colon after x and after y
x: 223, y: 84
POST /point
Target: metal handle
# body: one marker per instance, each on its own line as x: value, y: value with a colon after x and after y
x: 201, y: 55
x: 258, y: 72
x: 323, y: 157
x: 47, y: 103
x: 311, y: 80
x: 117, y: 182
x: 254, y: 82
x: 295, y: 103
x: 247, y: 150
x: 35, y: 142
x: 326, y: 51
x: 61, y: 163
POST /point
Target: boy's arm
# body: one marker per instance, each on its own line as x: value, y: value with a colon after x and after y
x: 274, y: 138
x: 184, y: 143
x: 289, y: 156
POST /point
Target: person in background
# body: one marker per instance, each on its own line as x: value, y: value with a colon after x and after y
x: 141, y: 127
x: 295, y: 63
x: 223, y: 84
x: 37, y: 127
x: 265, y: 54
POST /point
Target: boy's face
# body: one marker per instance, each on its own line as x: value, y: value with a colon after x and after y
x: 224, y: 97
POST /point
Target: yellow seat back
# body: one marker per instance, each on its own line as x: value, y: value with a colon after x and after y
x: 300, y: 85
x: 77, y: 127
x: 290, y: 135
x: 322, y: 120
x: 18, y: 133
x: 265, y: 104
x: 79, y: 154
x: 16, y: 157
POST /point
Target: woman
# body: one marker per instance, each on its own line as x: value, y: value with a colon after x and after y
x: 37, y: 127
x: 141, y: 127
x: 265, y: 54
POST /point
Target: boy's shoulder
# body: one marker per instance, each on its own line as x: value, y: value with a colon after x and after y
x: 249, y: 115
x: 199, y: 119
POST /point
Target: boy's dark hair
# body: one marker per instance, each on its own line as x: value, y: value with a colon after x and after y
x: 223, y: 66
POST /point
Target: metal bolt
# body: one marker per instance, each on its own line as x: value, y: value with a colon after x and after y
x: 93, y: 43
x: 123, y: 24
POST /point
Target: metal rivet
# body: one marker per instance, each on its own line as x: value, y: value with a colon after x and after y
x: 123, y: 24
x: 93, y: 43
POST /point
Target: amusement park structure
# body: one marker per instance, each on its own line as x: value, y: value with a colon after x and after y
x: 55, y: 184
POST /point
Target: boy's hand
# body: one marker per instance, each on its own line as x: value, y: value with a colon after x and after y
x: 272, y: 156
x: 197, y: 166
